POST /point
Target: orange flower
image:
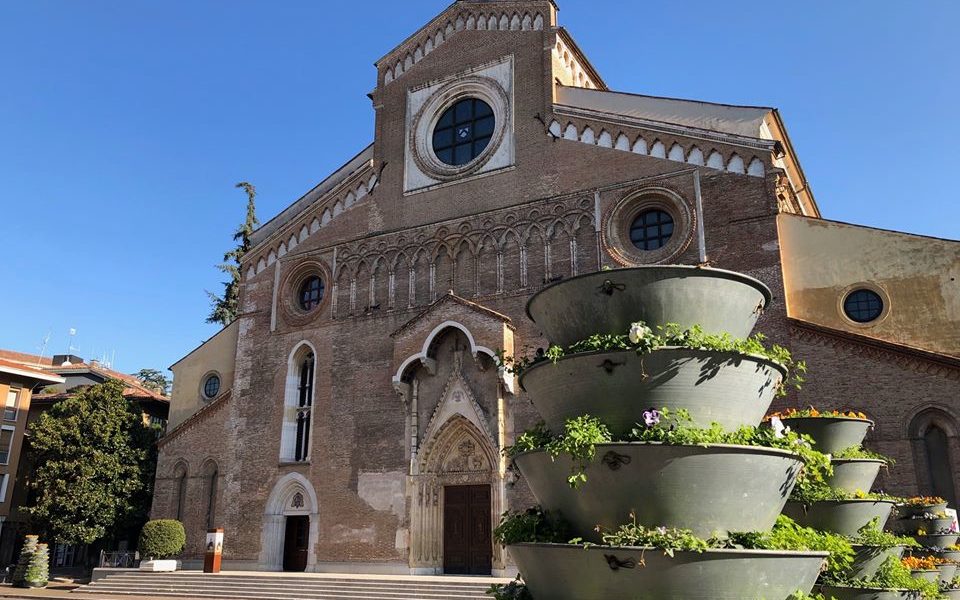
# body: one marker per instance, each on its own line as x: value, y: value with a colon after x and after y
x: 916, y: 563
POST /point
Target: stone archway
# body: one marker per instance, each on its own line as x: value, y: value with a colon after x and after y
x: 457, y: 454
x: 292, y: 496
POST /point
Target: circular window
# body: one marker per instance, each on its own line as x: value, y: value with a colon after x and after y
x: 463, y: 132
x: 863, y: 306
x: 211, y: 386
x: 311, y: 292
x: 651, y: 230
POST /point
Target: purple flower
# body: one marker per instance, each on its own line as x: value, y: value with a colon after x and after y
x: 651, y: 417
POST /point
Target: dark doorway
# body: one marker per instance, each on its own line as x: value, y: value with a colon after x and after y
x: 467, y: 545
x: 295, y: 544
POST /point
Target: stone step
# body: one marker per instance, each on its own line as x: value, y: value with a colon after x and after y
x: 241, y: 586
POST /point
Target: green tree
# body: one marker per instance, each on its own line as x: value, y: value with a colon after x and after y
x: 154, y: 380
x: 95, y: 461
x: 224, y: 309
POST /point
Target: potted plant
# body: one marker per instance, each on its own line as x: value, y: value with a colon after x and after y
x: 833, y: 431
x: 23, y: 563
x: 38, y: 573
x: 872, y: 547
x: 160, y: 543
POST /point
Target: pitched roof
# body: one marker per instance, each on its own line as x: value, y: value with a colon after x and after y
x: 132, y: 386
x: 17, y: 368
x: 448, y: 298
x: 721, y: 118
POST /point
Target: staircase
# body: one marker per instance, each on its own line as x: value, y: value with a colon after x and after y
x: 283, y: 586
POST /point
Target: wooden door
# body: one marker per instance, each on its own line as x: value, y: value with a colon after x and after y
x: 295, y: 544
x: 467, y: 543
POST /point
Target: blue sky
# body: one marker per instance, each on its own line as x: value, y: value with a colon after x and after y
x: 124, y: 125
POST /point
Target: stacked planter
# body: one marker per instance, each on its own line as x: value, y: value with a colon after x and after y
x: 846, y: 517
x: 933, y: 531
x: 708, y: 489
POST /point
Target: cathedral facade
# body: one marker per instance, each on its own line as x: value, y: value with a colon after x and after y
x: 353, y: 417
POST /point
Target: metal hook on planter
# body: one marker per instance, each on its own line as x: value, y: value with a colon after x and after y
x: 608, y: 287
x: 608, y: 366
x: 759, y: 309
x: 616, y: 564
x: 615, y: 460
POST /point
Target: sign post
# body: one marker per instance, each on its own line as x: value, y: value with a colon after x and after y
x: 211, y: 558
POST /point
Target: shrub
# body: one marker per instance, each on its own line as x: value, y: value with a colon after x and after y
x: 160, y: 539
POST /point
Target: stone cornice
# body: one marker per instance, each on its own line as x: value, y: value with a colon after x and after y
x: 663, y: 127
x: 908, y: 357
x: 195, y: 419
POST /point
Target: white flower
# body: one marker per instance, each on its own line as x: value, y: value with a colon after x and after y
x: 638, y: 331
x: 779, y: 429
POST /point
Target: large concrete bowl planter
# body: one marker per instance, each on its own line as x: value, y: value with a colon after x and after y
x: 932, y: 575
x: 951, y: 555
x: 947, y: 572
x: 953, y: 594
x: 937, y: 541
x: 903, y: 510
x: 852, y: 474
x: 711, y: 490
x: 868, y: 559
x: 844, y: 517
x: 853, y: 593
x: 609, y: 301
x: 561, y: 572
x: 832, y: 434
x: 616, y: 387
x: 913, y: 527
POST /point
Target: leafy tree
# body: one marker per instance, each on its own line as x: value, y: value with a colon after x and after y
x: 154, y: 380
x: 224, y: 309
x: 95, y: 461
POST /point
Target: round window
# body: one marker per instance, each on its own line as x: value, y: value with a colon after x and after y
x: 211, y: 386
x: 863, y: 306
x: 651, y: 230
x: 463, y: 132
x: 311, y: 292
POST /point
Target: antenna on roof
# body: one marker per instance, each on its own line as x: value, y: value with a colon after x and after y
x: 70, y: 346
x: 43, y: 347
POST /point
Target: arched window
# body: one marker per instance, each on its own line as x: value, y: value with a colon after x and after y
x: 931, y: 432
x: 304, y: 403
x: 211, y: 477
x: 180, y: 481
x: 938, y: 463
x: 298, y: 405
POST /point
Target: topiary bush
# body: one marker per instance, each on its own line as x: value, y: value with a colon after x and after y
x: 26, y: 555
x: 38, y: 573
x: 162, y: 539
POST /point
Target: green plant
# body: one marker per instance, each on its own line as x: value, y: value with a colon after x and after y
x: 872, y: 535
x: 644, y: 340
x: 808, y: 492
x: 515, y: 590
x: 38, y: 572
x: 664, y: 538
x: 861, y: 452
x: 30, y: 544
x: 579, y: 440
x: 788, y: 535
x: 893, y: 575
x: 161, y: 539
x: 582, y: 434
x: 533, y: 525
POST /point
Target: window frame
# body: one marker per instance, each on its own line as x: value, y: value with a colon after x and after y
x: 4, y: 482
x: 455, y: 124
x: 9, y: 450
x: 660, y: 238
x: 17, y: 391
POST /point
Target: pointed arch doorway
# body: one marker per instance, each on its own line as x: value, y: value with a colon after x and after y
x: 290, y: 526
x: 457, y: 492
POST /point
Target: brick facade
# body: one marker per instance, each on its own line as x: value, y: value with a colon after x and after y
x: 407, y: 398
